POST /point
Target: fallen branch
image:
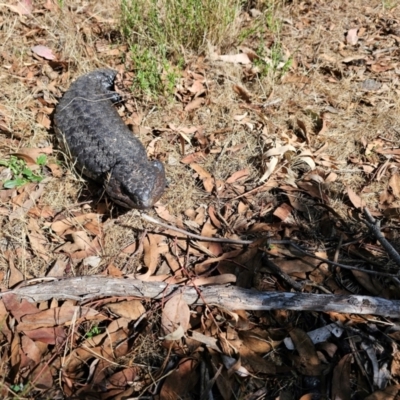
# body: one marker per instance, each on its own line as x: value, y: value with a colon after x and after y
x: 87, y: 288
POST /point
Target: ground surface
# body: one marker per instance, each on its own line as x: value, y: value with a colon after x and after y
x: 293, y: 151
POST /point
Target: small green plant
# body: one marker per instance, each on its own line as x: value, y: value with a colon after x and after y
x: 21, y: 173
x: 94, y: 331
x: 388, y: 5
x: 158, y: 31
x: 154, y: 73
x: 277, y: 65
x: 272, y: 60
x: 17, y: 388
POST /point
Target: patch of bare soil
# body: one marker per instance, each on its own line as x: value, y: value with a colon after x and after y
x: 279, y: 150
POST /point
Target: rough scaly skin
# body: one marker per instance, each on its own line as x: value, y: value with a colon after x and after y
x: 104, y: 149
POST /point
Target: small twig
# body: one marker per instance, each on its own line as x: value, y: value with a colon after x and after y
x: 268, y: 241
x: 283, y: 275
x: 193, y: 235
x: 336, y: 256
x: 388, y: 50
x: 336, y: 264
x: 374, y: 226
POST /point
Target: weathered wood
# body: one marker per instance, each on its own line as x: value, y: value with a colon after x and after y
x: 234, y: 298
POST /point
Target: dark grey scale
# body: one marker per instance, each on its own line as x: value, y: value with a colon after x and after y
x: 102, y: 146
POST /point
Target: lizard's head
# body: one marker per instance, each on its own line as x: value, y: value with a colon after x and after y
x: 141, y: 192
x: 104, y: 76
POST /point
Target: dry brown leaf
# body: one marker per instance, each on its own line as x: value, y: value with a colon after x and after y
x: 394, y: 184
x: 16, y: 275
x: 16, y: 351
x: 352, y: 58
x: 202, y: 267
x: 18, y: 308
x: 355, y: 199
x: 294, y: 267
x: 331, y: 177
x: 94, y: 248
x: 297, y: 203
x: 308, y: 362
x: 209, y: 230
x: 112, y: 270
x: 197, y: 88
x: 130, y: 309
x: 30, y: 349
x: 178, y: 384
x: 297, y: 79
x: 195, y: 104
x: 43, y: 51
x: 53, y: 335
x: 243, y: 93
x: 222, y: 279
x: 42, y: 375
x: 176, y: 313
x: 200, y: 216
x: 201, y: 171
x: 66, y: 314
x: 211, y: 212
x: 351, y: 37
x: 194, y: 157
x: 172, y: 262
x: 390, y: 393
x: 63, y: 226
x: 164, y: 213
x: 80, y: 241
x: 238, y: 175
x: 122, y: 379
x: 257, y: 340
x: 270, y: 168
x: 23, y: 7
x: 382, y: 67
x: 30, y: 202
x: 100, y: 346
x: 37, y: 240
x: 31, y: 154
x: 283, y: 211
x: 325, y: 126
x: 370, y: 283
x: 208, y: 180
x: 43, y: 119
x: 314, y: 190
x: 241, y: 58
x: 55, y: 169
x: 151, y: 252
x: 341, y: 382
x: 38, y: 243
x: 42, y: 212
x: 58, y: 268
x: 255, y: 363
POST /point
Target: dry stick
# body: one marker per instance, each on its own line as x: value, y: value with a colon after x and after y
x: 336, y: 264
x: 283, y: 275
x: 374, y: 226
x: 193, y: 235
x: 268, y: 241
x: 233, y: 298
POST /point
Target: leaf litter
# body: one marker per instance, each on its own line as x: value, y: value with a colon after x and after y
x: 248, y: 156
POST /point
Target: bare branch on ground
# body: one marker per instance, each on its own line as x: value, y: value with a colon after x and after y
x: 86, y: 288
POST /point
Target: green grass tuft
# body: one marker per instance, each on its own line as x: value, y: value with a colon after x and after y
x: 159, y: 31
